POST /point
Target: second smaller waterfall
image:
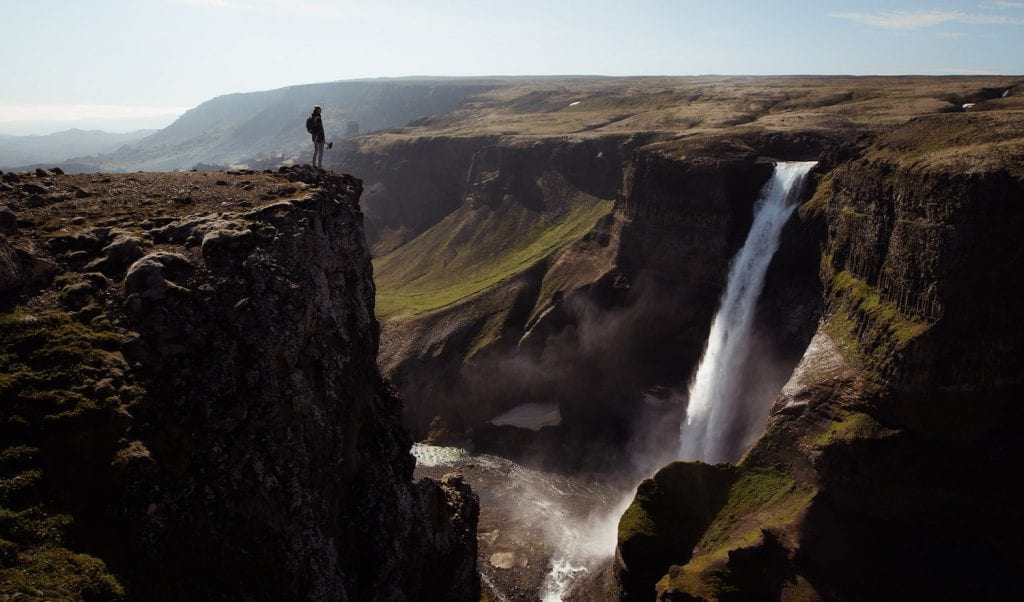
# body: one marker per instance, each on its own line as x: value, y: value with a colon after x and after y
x: 718, y: 425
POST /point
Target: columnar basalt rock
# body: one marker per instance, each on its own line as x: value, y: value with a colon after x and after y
x: 890, y: 445
x: 928, y: 247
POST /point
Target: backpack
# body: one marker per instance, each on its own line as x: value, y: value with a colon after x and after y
x: 309, y: 124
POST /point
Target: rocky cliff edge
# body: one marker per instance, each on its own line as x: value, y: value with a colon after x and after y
x: 190, y: 399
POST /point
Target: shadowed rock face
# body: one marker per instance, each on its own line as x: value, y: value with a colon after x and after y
x: 888, y: 451
x: 245, y: 445
x: 934, y: 247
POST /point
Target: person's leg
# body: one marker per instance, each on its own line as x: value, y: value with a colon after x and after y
x: 320, y: 157
x: 318, y: 153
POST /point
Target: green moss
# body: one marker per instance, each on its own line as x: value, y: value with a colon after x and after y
x: 59, y: 573
x: 49, y: 363
x: 759, y: 499
x: 668, y: 516
x: 771, y: 496
x: 855, y: 425
x: 56, y: 429
x: 867, y: 299
x: 33, y: 525
x: 19, y: 484
x: 816, y: 205
x: 870, y: 331
x: 489, y: 334
x: 473, y: 249
x: 17, y: 455
x: 636, y: 522
x: 704, y: 576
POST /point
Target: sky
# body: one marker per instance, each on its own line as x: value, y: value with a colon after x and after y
x: 125, y: 64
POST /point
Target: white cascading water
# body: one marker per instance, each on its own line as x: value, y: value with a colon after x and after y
x: 718, y: 427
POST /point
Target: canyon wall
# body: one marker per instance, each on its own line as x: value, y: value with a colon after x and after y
x: 592, y: 324
x: 888, y: 451
x: 226, y: 433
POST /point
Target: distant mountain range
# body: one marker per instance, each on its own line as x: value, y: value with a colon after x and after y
x: 18, y: 151
x: 246, y: 127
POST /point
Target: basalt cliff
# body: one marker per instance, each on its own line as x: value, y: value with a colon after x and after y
x: 191, y: 405
x: 884, y: 472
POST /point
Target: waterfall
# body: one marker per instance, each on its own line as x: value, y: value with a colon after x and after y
x: 719, y: 425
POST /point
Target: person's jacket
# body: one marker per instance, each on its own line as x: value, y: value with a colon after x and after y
x: 318, y: 129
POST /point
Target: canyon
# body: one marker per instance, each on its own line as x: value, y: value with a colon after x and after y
x: 559, y: 242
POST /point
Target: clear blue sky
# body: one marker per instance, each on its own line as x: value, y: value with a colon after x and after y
x: 125, y: 63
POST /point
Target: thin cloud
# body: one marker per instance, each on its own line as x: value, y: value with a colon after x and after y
x: 1005, y: 4
x: 921, y: 19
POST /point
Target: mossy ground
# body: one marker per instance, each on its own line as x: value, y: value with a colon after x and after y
x: 711, y: 510
x: 855, y: 425
x: 816, y: 205
x: 473, y: 249
x: 869, y: 331
x: 761, y: 499
x: 54, y: 419
x: 864, y: 298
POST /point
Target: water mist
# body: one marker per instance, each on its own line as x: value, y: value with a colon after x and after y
x: 719, y: 423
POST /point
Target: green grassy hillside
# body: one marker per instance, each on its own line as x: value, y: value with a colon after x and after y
x: 475, y: 248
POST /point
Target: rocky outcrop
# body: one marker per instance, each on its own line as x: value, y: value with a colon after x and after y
x: 248, y: 447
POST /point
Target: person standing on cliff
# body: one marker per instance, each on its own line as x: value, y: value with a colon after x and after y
x: 315, y: 126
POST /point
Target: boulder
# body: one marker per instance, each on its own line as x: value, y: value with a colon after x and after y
x: 11, y: 275
x: 8, y: 221
x: 74, y: 241
x: 151, y: 277
x: 225, y: 246
x: 76, y: 296
x: 118, y: 255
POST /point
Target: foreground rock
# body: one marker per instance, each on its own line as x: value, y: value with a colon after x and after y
x: 202, y: 417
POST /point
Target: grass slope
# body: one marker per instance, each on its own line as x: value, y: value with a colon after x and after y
x: 475, y: 248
